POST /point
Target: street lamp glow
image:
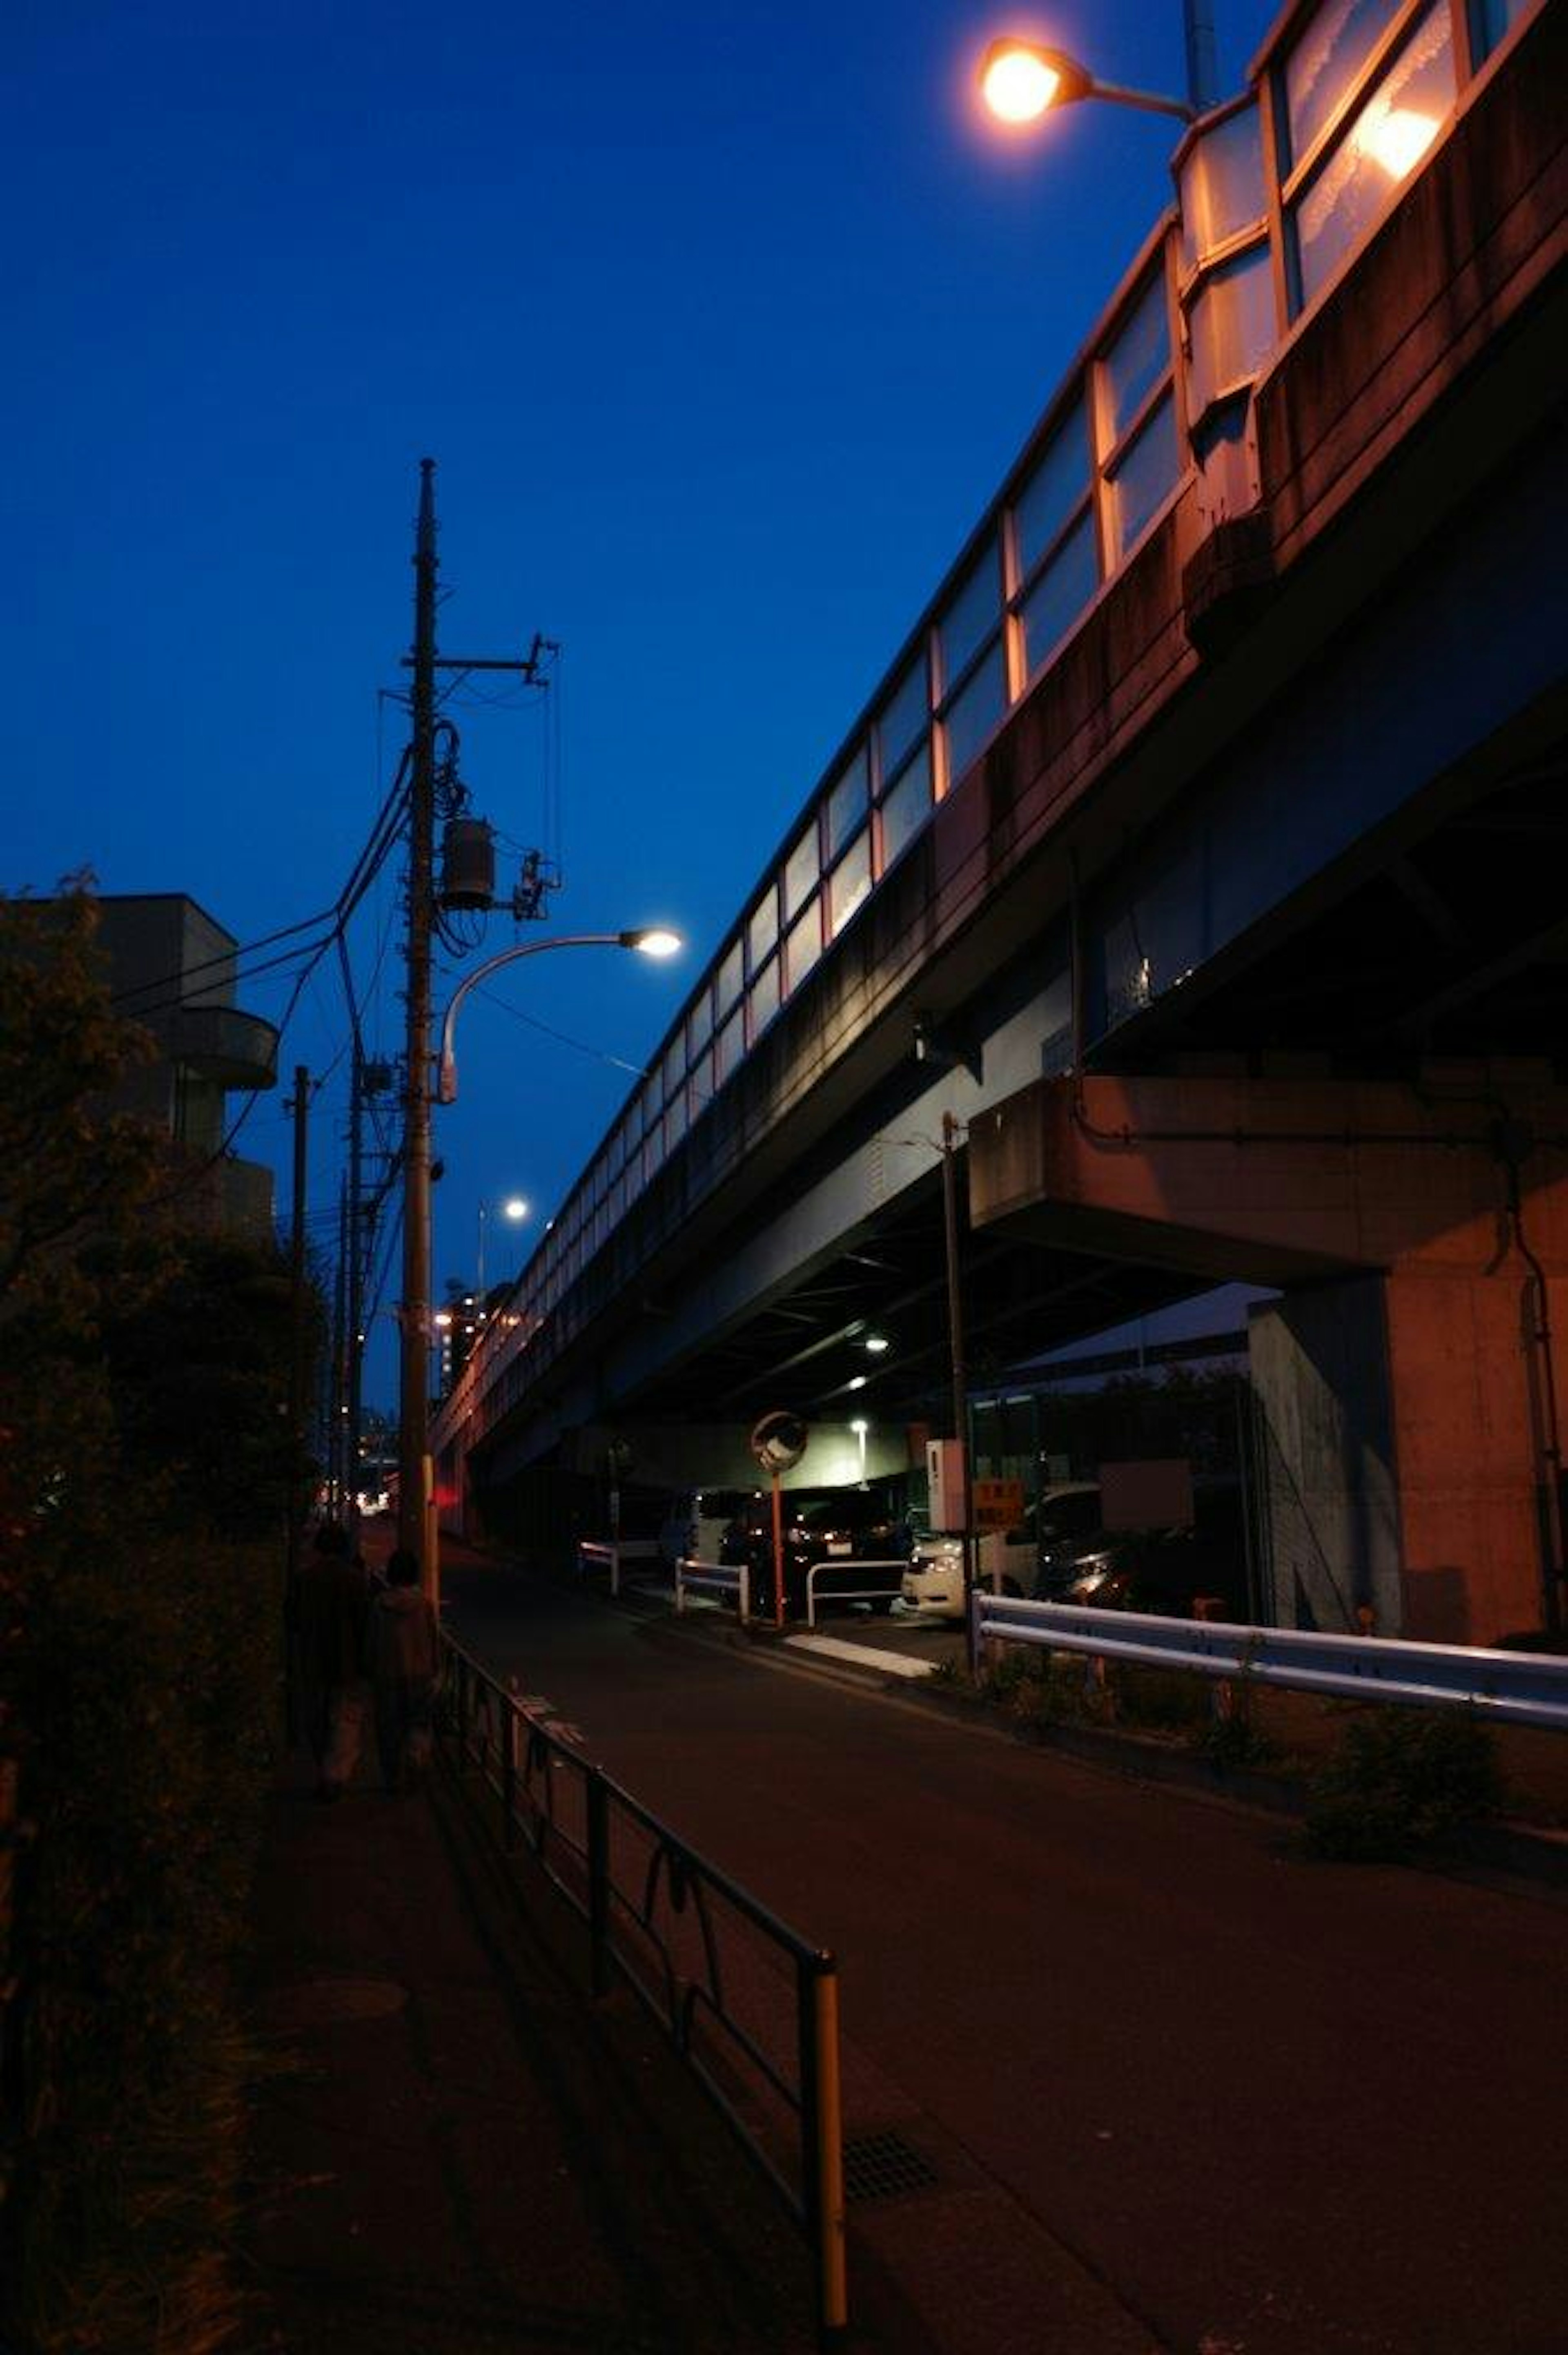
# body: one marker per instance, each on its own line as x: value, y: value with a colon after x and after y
x: 654, y: 941
x: 515, y: 1208
x: 1019, y: 80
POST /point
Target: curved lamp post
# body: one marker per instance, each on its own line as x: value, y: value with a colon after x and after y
x: 649, y: 940
x: 1020, y: 82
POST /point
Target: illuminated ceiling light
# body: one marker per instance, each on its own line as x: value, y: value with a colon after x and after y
x: 860, y: 1428
x: 858, y: 1381
x: 875, y: 1343
x: 1394, y: 136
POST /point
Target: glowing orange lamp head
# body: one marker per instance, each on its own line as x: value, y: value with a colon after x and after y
x: 1019, y: 79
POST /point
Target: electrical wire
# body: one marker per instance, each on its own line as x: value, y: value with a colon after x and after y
x: 597, y: 1054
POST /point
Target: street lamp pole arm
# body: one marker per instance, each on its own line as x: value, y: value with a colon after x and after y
x: 1148, y: 101
x: 446, y: 1082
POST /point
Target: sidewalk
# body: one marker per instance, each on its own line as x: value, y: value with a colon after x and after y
x: 457, y: 2154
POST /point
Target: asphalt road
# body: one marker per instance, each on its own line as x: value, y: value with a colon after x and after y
x: 1179, y: 2089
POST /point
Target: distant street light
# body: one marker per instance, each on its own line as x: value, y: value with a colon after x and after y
x: 648, y: 940
x: 1020, y: 82
x: 514, y: 1209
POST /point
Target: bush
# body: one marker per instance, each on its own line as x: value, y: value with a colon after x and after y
x: 147, y: 1685
x: 1402, y: 1781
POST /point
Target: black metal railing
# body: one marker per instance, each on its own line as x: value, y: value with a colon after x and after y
x: 751, y: 2006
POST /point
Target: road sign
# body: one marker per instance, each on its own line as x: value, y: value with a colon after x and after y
x: 998, y: 1504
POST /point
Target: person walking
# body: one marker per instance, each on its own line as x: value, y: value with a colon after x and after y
x: 329, y: 1606
x: 403, y: 1655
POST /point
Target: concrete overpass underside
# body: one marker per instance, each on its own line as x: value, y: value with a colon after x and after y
x: 1264, y: 875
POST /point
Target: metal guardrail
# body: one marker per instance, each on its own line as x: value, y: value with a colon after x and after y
x: 717, y: 1577
x: 595, y: 1553
x: 1506, y: 1688
x: 749, y: 2005
x: 851, y: 1594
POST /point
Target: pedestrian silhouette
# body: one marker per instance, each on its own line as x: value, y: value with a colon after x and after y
x: 403, y: 1653
x: 330, y: 1599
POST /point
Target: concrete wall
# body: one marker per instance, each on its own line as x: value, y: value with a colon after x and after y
x: 1319, y: 1371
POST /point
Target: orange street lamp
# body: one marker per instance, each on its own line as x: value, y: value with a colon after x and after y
x: 1020, y: 82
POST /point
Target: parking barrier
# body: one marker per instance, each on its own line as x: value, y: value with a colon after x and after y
x: 720, y: 1578
x: 882, y: 1592
x: 599, y: 1553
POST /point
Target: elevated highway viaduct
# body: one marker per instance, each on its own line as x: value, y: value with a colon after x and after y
x: 1218, y: 907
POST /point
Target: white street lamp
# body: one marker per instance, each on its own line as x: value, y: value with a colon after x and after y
x: 648, y: 940
x: 514, y: 1209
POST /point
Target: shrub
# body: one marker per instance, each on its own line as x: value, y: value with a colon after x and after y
x: 146, y: 1686
x: 1400, y: 1780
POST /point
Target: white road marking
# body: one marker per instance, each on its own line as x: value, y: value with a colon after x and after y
x: 893, y: 1664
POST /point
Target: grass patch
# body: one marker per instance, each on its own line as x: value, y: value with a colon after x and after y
x: 1402, y: 1782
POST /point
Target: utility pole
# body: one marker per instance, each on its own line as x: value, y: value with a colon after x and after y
x: 415, y: 1520
x: 1202, y: 69
x: 299, y: 1104
x: 417, y: 1523
x: 951, y: 1129
x: 337, y: 1397
x: 357, y: 1240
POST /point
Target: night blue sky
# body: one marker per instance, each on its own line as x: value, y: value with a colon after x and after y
x: 723, y: 324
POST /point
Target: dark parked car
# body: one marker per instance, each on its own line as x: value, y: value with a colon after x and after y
x: 819, y: 1525
x: 1165, y: 1572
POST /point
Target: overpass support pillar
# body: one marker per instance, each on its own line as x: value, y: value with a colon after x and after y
x: 1413, y: 1381
x: 1405, y: 1445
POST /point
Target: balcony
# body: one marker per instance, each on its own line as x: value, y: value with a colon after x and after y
x: 220, y: 1044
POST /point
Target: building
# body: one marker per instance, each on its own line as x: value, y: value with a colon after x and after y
x: 171, y: 969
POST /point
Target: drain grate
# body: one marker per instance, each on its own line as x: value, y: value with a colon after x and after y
x: 882, y: 2166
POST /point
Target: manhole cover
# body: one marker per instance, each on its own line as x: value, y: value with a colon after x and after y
x: 321, y: 2003
x: 882, y: 2166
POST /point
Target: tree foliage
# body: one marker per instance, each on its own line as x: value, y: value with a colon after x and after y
x: 144, y: 1383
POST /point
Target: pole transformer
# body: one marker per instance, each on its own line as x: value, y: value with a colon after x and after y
x: 415, y: 1516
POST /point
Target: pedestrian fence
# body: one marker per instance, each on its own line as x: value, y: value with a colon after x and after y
x: 595, y: 1553
x: 1506, y: 1688
x: 887, y: 1581
x: 749, y: 2005
x: 713, y: 1578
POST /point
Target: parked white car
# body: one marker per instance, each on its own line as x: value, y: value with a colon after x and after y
x: 1007, y: 1560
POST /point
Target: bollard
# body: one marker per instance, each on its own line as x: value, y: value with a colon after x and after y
x: 822, y: 2141
x: 1221, y: 1698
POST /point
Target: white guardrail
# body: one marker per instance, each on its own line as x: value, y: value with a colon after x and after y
x: 721, y: 1577
x: 1509, y: 1687
x: 596, y: 1554
x: 879, y: 1593
x: 715, y: 1577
